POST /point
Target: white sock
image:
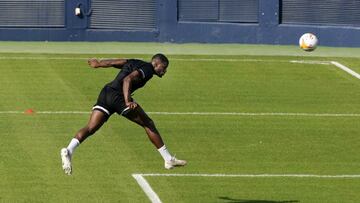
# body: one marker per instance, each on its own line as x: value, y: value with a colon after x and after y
x: 72, y: 145
x: 165, y: 153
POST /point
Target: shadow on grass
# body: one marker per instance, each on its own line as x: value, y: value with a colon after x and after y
x: 231, y: 200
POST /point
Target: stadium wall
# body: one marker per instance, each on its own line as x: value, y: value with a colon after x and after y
x: 336, y: 23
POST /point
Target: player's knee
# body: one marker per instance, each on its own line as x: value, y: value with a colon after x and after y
x: 150, y: 123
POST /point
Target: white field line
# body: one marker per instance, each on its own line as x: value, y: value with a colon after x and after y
x: 346, y: 69
x: 204, y: 113
x: 256, y: 114
x: 40, y: 58
x: 173, y: 59
x: 311, y: 62
x: 178, y: 59
x: 230, y: 60
x: 335, y: 63
x: 154, y: 198
x: 145, y: 186
x: 254, y: 175
x: 46, y: 112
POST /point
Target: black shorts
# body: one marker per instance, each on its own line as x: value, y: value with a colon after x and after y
x: 111, y: 101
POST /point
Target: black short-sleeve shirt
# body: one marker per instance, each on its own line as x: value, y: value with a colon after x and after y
x: 145, y: 69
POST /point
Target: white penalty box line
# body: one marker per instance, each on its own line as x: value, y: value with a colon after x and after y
x: 335, y: 63
x: 264, y: 175
x: 154, y: 198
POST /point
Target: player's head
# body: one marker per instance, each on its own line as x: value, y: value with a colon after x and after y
x: 160, y: 64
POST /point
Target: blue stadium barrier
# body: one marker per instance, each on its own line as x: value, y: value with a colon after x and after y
x: 336, y: 23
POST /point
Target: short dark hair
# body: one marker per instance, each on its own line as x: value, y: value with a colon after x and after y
x: 164, y: 60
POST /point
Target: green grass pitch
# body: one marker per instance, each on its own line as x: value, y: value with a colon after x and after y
x: 324, y: 140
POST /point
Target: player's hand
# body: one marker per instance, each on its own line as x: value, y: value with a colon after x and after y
x: 93, y: 63
x: 131, y: 105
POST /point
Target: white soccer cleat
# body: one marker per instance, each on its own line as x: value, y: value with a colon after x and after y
x: 174, y: 163
x: 66, y: 161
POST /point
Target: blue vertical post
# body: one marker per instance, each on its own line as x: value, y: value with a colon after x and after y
x: 269, y: 19
x: 73, y: 21
x: 269, y: 12
x: 168, y: 20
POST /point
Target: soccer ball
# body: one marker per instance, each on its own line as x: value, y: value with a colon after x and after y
x: 308, y: 42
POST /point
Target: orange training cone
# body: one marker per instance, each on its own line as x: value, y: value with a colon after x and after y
x: 29, y: 111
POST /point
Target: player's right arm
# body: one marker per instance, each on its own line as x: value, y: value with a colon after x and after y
x: 106, y: 63
x: 135, y: 75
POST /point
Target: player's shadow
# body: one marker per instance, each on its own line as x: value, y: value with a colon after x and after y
x: 232, y: 200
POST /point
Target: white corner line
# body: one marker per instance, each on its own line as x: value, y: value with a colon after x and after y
x: 346, y: 69
x: 145, y: 186
x: 254, y: 175
x: 154, y: 198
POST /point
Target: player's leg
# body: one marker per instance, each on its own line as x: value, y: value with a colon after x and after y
x: 139, y: 116
x: 97, y: 119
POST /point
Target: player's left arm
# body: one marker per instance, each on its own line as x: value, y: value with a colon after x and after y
x: 106, y: 63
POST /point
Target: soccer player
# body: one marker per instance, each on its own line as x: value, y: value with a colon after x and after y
x: 116, y: 97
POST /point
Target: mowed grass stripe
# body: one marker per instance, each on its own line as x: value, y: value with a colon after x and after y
x: 30, y: 111
x: 36, y: 84
x: 211, y: 143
